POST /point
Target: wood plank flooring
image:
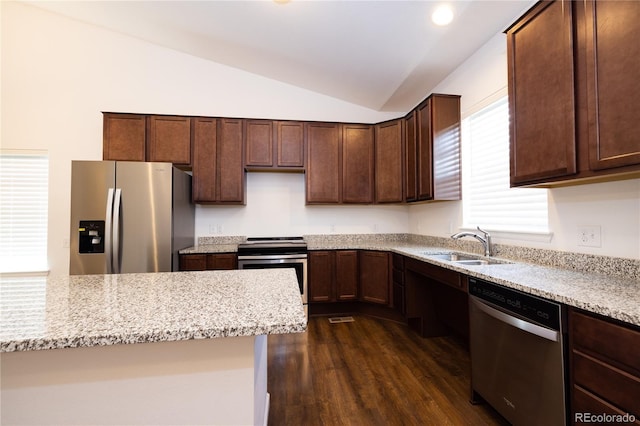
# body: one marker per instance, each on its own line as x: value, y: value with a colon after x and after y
x: 370, y: 372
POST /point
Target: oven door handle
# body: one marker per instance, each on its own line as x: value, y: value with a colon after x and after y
x: 527, y: 326
x: 277, y: 258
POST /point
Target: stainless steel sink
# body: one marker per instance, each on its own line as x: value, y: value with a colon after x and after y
x: 465, y: 259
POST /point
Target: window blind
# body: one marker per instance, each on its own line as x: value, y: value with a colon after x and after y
x: 488, y: 200
x: 24, y: 191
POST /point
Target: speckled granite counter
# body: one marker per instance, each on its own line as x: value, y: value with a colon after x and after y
x: 97, y: 310
x: 600, y: 284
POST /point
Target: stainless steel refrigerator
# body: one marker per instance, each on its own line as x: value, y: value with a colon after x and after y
x: 129, y: 217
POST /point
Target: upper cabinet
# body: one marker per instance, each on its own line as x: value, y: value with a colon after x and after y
x: 389, y: 156
x: 324, y: 153
x: 357, y: 163
x: 218, y: 175
x: 433, y: 150
x: 274, y: 145
x: 169, y: 139
x: 574, y: 92
x: 140, y: 137
x: 124, y: 137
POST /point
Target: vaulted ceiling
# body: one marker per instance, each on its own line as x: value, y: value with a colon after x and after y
x: 385, y: 55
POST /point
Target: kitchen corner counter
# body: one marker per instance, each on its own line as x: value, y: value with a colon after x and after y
x: 99, y: 310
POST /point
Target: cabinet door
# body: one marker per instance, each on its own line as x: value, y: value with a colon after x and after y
x: 258, y: 143
x: 231, y: 178
x: 124, y: 137
x: 613, y: 86
x: 540, y: 50
x: 290, y: 144
x: 321, y: 276
x: 357, y: 163
x: 323, y: 180
x: 193, y: 262
x: 169, y: 139
x: 424, y: 144
x: 389, y: 172
x: 222, y: 261
x: 445, y: 122
x: 346, y: 274
x: 205, y: 157
x: 411, y: 167
x: 375, y: 277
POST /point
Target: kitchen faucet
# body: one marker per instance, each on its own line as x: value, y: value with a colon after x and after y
x: 486, y: 240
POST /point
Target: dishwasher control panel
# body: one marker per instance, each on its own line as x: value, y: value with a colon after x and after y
x: 544, y: 312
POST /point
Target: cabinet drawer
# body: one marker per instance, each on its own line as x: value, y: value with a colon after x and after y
x: 193, y: 262
x: 614, y: 342
x: 586, y: 402
x: 611, y: 384
x: 223, y: 261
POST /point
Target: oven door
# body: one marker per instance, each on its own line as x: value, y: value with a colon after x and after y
x: 298, y: 262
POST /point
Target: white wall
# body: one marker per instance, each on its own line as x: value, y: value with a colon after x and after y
x: 59, y: 74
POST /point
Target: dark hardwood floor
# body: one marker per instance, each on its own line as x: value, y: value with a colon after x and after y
x: 370, y: 372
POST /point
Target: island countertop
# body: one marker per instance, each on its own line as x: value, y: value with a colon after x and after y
x: 96, y: 310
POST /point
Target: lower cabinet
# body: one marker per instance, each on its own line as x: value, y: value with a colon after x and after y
x: 208, y: 262
x: 333, y: 275
x: 605, y: 367
x: 375, y: 277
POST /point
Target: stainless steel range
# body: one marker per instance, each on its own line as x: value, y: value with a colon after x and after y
x: 276, y: 252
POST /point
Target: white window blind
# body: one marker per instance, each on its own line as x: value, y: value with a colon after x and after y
x: 488, y: 200
x: 24, y: 189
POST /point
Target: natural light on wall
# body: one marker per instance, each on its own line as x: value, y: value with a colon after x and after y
x: 24, y: 189
x: 488, y: 200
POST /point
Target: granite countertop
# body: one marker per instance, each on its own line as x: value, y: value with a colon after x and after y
x: 607, y: 286
x: 96, y: 310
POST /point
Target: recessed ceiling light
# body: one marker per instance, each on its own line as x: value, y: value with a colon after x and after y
x: 443, y: 15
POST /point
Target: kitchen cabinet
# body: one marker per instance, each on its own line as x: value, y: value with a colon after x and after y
x: 357, y: 163
x: 437, y: 149
x: 410, y: 158
x: 437, y: 302
x: 208, y: 262
x: 218, y: 172
x: 274, y: 145
x: 324, y: 155
x: 605, y: 367
x: 124, y: 137
x: 389, y: 160
x: 333, y: 275
x: 375, y: 277
x: 169, y: 139
x: 573, y: 93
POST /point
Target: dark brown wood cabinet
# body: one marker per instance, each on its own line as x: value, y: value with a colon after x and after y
x: 574, y: 93
x: 410, y: 157
x: 124, y: 137
x: 375, y: 276
x: 435, y: 128
x: 218, y: 172
x: 357, y: 163
x: 389, y: 161
x: 605, y: 366
x: 333, y: 275
x: 169, y: 139
x: 397, y: 283
x: 324, y: 157
x: 208, y: 262
x: 274, y: 145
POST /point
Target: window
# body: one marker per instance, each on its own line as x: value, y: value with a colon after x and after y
x: 24, y: 177
x: 488, y: 201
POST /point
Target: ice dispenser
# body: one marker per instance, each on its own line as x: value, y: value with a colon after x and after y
x: 91, y: 236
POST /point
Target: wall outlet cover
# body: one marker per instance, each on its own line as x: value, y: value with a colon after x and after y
x: 589, y: 236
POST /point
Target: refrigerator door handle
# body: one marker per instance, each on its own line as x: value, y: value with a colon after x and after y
x: 108, y: 232
x: 116, y: 230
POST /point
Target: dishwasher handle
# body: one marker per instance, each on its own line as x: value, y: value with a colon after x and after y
x: 527, y: 326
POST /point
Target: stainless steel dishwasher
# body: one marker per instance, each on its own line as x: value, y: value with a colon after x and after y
x: 517, y: 354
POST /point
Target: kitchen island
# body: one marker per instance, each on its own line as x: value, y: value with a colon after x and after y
x: 161, y: 348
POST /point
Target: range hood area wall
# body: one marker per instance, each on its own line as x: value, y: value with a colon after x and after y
x: 60, y: 74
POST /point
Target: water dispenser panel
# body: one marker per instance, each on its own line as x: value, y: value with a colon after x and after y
x: 91, y: 236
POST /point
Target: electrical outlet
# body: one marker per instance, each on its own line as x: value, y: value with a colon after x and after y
x: 212, y: 228
x: 589, y: 236
x: 65, y: 243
